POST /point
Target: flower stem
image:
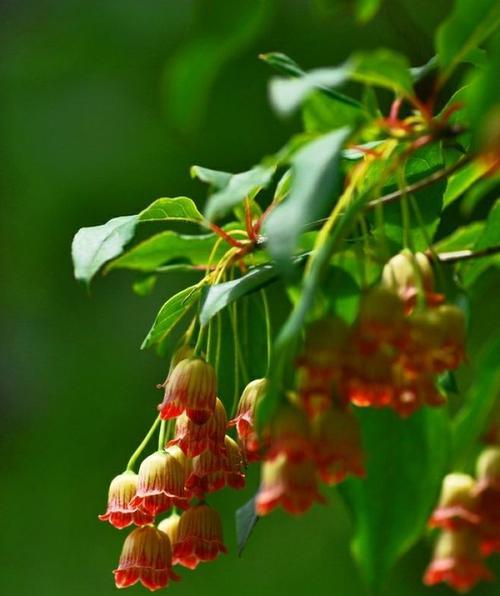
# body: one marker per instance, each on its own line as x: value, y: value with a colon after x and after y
x: 161, y: 436
x: 267, y: 319
x: 142, y: 446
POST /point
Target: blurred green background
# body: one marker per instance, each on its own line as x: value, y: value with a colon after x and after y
x: 104, y: 105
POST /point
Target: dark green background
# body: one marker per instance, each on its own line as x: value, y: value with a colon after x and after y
x: 104, y: 105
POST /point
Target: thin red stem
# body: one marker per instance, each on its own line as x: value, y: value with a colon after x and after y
x: 225, y: 236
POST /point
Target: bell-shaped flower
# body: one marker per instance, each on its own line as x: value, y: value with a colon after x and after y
x: 199, y: 536
x: 120, y: 513
x: 146, y: 558
x: 191, y: 388
x: 457, y: 561
x: 293, y: 485
x: 194, y: 438
x: 457, y: 506
x: 161, y: 483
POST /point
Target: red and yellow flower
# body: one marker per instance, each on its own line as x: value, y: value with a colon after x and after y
x: 120, y: 512
x: 191, y: 387
x: 293, y: 485
x: 147, y: 558
x: 245, y: 420
x: 457, y: 561
x: 160, y: 483
x: 199, y: 537
x: 195, y: 438
x: 457, y: 507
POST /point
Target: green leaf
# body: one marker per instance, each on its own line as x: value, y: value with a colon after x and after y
x: 405, y: 463
x: 287, y: 94
x: 489, y: 238
x: 92, y: 247
x: 383, y: 68
x: 216, y: 178
x: 246, y: 518
x: 462, y: 238
x: 237, y: 187
x: 170, y: 314
x: 473, y: 417
x: 168, y: 246
x: 282, y: 63
x: 173, y: 209
x: 468, y: 25
x: 315, y: 174
x: 217, y: 297
x: 419, y: 72
x: 463, y: 180
x: 481, y: 101
x: 322, y: 114
x: 283, y: 348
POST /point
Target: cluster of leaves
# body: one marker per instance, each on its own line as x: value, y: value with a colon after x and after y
x: 321, y: 216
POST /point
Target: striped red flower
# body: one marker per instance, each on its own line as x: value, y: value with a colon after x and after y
x: 291, y: 485
x: 120, y: 512
x: 146, y: 558
x: 190, y: 388
x: 245, y: 419
x: 457, y: 561
x: 161, y: 483
x: 199, y: 537
x: 457, y: 507
x: 195, y: 438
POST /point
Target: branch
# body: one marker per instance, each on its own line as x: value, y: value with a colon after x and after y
x: 436, y: 177
x: 463, y: 255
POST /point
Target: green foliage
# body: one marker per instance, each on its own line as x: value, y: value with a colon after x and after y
x: 370, y: 175
x: 314, y: 175
x: 406, y: 460
x: 92, y: 247
x: 170, y: 314
x: 470, y: 23
x: 472, y: 420
x: 166, y: 247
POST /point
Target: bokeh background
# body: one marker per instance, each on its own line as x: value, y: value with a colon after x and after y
x: 104, y: 105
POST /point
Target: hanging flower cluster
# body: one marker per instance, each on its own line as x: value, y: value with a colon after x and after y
x: 197, y: 460
x: 404, y: 336
x: 468, y: 517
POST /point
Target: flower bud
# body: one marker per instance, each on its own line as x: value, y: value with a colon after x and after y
x: 457, y: 561
x: 199, y: 536
x: 190, y: 387
x: 293, y: 485
x: 244, y: 421
x: 194, y: 438
x: 161, y: 483
x: 457, y: 504
x: 407, y: 274
x: 488, y: 468
x: 245, y: 414
x: 146, y: 557
x: 170, y: 527
x: 120, y: 513
x: 338, y: 449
